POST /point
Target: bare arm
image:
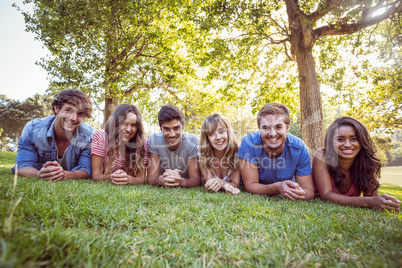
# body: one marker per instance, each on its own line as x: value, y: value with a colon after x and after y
x: 97, y: 169
x: 193, y: 174
x: 120, y: 177
x: 28, y: 172
x: 153, y: 177
x: 250, y: 175
x: 323, y: 181
x: 52, y: 171
x: 306, y: 183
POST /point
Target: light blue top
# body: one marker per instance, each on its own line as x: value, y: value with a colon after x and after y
x: 294, y: 160
x: 37, y: 146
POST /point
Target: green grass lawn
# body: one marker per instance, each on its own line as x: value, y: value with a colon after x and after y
x: 391, y: 175
x: 87, y: 224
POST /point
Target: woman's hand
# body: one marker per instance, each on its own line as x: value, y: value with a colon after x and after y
x: 119, y: 177
x: 214, y: 184
x: 230, y: 189
x: 385, y: 202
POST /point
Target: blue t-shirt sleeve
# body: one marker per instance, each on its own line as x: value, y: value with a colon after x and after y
x: 304, y: 165
x: 152, y: 146
x: 27, y: 155
x: 247, y: 150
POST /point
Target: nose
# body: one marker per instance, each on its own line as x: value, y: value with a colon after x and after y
x: 171, y: 133
x: 128, y: 127
x: 73, y: 116
x: 272, y: 132
x: 347, y: 143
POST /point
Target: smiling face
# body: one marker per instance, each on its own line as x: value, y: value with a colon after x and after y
x: 68, y: 118
x: 345, y: 142
x: 219, y: 138
x: 172, y: 132
x: 128, y: 128
x: 273, y: 132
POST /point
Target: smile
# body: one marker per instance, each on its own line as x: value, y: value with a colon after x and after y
x: 348, y: 151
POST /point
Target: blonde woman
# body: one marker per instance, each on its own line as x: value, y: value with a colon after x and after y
x: 218, y: 160
x: 119, y: 152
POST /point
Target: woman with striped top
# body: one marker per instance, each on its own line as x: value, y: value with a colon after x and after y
x: 119, y: 152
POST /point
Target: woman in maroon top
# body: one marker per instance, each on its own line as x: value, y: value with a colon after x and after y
x: 348, y: 166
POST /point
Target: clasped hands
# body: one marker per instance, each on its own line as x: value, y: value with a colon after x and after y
x: 216, y: 184
x: 171, y: 178
x: 291, y: 190
x: 52, y: 171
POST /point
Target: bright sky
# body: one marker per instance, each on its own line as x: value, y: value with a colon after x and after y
x: 19, y: 75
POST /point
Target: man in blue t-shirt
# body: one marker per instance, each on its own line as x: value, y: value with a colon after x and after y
x: 273, y: 161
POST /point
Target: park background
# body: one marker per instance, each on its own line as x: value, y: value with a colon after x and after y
x: 323, y: 59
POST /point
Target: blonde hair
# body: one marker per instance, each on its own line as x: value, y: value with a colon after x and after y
x: 208, y: 127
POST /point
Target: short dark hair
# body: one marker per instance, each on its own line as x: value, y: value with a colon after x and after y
x: 73, y: 97
x: 170, y: 112
x: 276, y: 109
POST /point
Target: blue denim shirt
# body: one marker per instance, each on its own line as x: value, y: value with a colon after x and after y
x: 37, y: 146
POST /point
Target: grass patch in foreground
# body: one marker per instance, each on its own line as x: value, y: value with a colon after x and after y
x: 81, y: 223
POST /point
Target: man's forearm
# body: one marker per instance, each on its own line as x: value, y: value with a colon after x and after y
x: 191, y: 182
x: 28, y: 172
x: 263, y: 189
x: 76, y: 174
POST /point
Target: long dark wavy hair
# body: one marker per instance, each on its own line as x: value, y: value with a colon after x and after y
x: 366, y: 168
x: 134, y: 148
x: 208, y: 127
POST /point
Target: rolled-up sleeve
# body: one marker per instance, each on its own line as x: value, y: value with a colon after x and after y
x: 27, y: 155
x: 85, y: 161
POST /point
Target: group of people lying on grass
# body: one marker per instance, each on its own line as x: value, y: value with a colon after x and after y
x: 269, y: 162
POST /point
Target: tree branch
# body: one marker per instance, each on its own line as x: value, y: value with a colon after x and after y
x: 323, y: 9
x: 134, y: 88
x: 341, y: 29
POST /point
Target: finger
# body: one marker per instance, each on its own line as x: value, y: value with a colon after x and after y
x: 169, y: 180
x: 295, y: 195
x: 297, y: 191
x: 290, y: 197
x: 169, y: 184
x: 236, y: 191
x: 391, y: 198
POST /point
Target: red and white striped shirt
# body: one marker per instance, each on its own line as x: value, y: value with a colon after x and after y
x: 100, y: 148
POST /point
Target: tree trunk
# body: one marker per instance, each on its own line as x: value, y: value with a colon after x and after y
x: 310, y: 100
x: 303, y: 40
x: 110, y: 104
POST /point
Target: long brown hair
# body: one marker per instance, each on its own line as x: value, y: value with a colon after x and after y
x: 208, y: 127
x: 134, y: 148
x: 366, y: 168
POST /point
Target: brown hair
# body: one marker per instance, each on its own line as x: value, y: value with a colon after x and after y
x: 366, y: 167
x: 170, y: 112
x: 276, y: 109
x: 134, y: 148
x: 73, y: 97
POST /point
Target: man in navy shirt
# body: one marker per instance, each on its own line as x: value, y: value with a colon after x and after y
x: 273, y: 161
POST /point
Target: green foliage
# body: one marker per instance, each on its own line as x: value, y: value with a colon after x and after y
x: 82, y: 223
x: 110, y: 49
x: 383, y: 144
x: 15, y: 114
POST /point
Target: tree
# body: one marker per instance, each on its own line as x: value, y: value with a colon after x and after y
x: 112, y: 48
x: 251, y: 34
x: 15, y: 114
x: 383, y: 144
